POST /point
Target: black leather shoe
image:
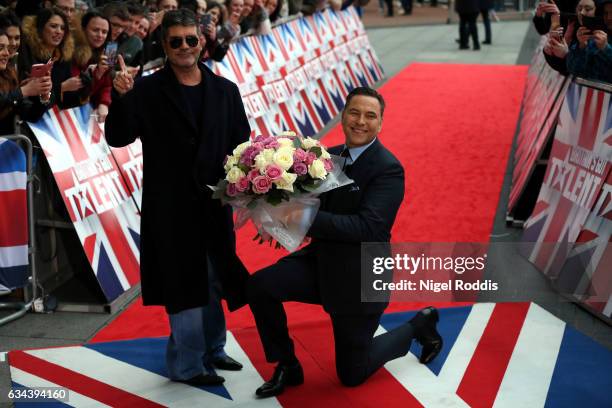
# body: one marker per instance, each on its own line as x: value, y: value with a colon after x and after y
x: 487, y: 42
x: 226, y: 363
x: 204, y: 379
x: 426, y: 333
x: 283, y: 375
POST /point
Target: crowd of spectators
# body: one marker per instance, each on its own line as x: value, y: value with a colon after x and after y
x: 578, y: 37
x: 64, y: 52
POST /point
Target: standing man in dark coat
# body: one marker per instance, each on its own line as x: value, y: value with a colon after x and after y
x: 468, y: 13
x: 327, y: 271
x: 188, y: 120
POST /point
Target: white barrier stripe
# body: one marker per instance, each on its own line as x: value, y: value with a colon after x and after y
x: 74, y: 398
x: 15, y: 180
x: 460, y: 355
x: 13, y: 256
x: 533, y: 361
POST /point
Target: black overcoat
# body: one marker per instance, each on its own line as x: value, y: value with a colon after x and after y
x: 181, y: 223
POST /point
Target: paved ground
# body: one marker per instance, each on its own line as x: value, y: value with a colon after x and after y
x: 396, y: 47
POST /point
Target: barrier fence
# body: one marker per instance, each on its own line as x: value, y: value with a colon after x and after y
x: 17, y: 242
x: 296, y: 78
x: 573, y: 209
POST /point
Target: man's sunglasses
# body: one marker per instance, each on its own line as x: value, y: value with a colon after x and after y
x: 176, y: 42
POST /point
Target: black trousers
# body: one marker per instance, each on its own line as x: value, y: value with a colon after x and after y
x: 486, y: 21
x: 389, y: 7
x: 358, y: 353
x: 467, y: 27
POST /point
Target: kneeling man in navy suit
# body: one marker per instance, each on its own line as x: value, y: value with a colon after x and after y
x: 327, y: 271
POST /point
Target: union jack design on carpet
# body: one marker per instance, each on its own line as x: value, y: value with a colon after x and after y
x: 501, y: 355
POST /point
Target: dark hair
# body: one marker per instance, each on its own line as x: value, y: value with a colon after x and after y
x: 90, y: 15
x: 116, y: 9
x: 180, y: 17
x: 213, y: 4
x: 366, y: 91
x: 44, y: 15
x: 9, y: 19
x: 136, y: 9
x: 189, y: 4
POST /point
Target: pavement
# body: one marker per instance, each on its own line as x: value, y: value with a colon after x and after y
x: 513, y: 42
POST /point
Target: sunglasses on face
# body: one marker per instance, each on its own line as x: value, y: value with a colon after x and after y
x: 176, y: 42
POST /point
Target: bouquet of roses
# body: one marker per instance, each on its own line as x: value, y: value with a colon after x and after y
x: 274, y: 181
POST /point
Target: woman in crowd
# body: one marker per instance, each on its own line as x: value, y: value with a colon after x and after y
x: 143, y: 28
x: 90, y: 63
x: 559, y: 41
x: 11, y: 25
x: 27, y: 100
x: 46, y: 37
x: 226, y: 31
x: 590, y: 56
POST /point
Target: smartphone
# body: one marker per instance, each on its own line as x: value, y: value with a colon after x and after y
x: 205, y: 20
x: 41, y: 70
x: 594, y: 23
x: 111, y: 53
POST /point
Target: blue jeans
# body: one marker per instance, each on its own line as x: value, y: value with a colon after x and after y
x: 197, y: 335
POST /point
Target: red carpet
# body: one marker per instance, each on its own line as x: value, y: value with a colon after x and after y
x: 452, y: 128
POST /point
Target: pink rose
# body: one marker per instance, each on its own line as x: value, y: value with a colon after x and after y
x: 274, y: 172
x: 299, y: 155
x: 271, y: 143
x: 259, y: 138
x: 310, y: 157
x: 231, y: 190
x: 300, y: 168
x: 249, y: 154
x: 252, y: 174
x: 329, y: 165
x: 261, y: 184
x: 242, y: 185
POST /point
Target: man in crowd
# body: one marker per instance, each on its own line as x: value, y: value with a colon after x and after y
x: 188, y: 120
x: 327, y: 271
x: 68, y: 7
x: 130, y: 45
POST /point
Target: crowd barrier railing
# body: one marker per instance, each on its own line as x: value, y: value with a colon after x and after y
x: 17, y: 238
x: 568, y: 226
x: 295, y: 78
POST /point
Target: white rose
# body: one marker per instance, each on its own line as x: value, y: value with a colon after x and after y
x: 325, y: 154
x: 231, y: 162
x: 309, y: 142
x: 241, y: 148
x: 284, y: 142
x: 234, y: 175
x: 264, y: 159
x: 286, y: 181
x: 288, y: 133
x: 284, y: 158
x: 317, y: 170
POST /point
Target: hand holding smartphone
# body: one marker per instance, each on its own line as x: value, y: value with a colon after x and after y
x: 41, y: 70
x: 594, y: 23
x: 111, y: 53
